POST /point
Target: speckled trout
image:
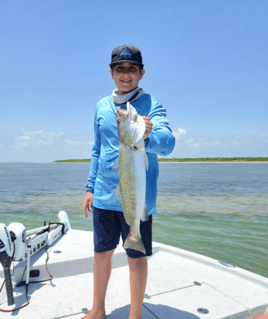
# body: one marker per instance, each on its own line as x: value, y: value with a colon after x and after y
x: 132, y: 163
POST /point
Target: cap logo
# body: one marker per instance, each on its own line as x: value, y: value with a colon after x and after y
x: 126, y: 52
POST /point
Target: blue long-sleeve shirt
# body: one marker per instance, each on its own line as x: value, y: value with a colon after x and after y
x: 103, y: 177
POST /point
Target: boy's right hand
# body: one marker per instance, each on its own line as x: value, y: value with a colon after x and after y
x: 87, y: 203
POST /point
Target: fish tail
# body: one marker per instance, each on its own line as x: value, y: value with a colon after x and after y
x: 136, y: 245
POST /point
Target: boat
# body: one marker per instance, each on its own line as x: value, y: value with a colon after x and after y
x: 48, y: 273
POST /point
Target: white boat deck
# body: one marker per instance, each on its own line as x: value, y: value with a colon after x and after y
x: 179, y: 283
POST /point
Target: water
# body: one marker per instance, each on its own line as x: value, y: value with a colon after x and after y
x: 217, y: 210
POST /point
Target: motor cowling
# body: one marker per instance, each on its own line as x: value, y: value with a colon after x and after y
x: 18, y: 236
x: 6, y: 256
x: 6, y: 244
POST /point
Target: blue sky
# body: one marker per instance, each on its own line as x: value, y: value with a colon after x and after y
x: 206, y: 61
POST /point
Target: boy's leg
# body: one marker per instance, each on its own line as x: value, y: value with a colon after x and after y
x: 138, y: 265
x: 138, y: 278
x: 106, y: 238
x: 102, y: 272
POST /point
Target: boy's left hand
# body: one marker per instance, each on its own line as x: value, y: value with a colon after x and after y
x: 149, y: 126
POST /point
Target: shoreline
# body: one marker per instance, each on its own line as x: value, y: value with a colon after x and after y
x: 199, y: 160
x: 186, y: 162
x: 214, y: 162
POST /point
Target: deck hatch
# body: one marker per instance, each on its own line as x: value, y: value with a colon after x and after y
x: 202, y: 310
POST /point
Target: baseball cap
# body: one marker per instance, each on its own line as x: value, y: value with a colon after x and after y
x: 126, y: 53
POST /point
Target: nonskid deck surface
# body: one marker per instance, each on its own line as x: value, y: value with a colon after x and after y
x: 180, y: 284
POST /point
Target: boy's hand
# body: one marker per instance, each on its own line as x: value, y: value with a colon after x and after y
x: 87, y: 203
x: 149, y: 126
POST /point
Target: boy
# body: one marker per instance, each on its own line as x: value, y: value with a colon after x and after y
x: 127, y: 70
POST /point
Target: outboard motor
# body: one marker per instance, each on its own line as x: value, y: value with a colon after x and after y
x: 6, y: 256
x: 12, y: 247
x: 18, y: 236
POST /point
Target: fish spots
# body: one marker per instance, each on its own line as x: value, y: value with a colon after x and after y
x: 132, y: 174
x: 134, y: 237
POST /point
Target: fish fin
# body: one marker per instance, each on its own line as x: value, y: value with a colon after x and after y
x: 146, y: 161
x: 137, y: 124
x: 140, y: 129
x: 144, y: 216
x: 132, y: 244
x: 117, y: 193
x: 116, y: 164
x: 118, y: 196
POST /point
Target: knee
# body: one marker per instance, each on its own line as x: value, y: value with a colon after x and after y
x: 137, y: 262
x: 103, y: 256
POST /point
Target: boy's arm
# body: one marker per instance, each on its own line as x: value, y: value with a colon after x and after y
x: 94, y: 164
x: 160, y: 141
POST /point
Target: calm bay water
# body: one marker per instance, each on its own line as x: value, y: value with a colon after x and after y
x: 217, y: 210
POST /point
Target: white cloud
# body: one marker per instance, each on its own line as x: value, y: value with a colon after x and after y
x: 180, y: 132
x: 22, y: 140
x: 181, y: 136
x: 73, y: 142
x: 77, y: 143
x: 216, y: 145
x: 37, y: 137
x: 189, y: 140
x: 44, y: 146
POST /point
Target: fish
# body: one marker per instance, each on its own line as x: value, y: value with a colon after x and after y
x: 132, y: 164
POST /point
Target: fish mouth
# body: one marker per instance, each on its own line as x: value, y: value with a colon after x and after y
x: 122, y: 113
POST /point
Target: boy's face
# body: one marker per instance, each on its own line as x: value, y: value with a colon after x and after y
x: 126, y: 76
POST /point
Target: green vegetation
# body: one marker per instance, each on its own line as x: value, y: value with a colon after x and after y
x: 84, y: 160
x: 200, y: 159
x: 216, y: 159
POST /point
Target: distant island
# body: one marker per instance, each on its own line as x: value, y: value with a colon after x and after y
x: 190, y: 160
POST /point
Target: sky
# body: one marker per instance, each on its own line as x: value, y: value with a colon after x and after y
x: 206, y: 62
